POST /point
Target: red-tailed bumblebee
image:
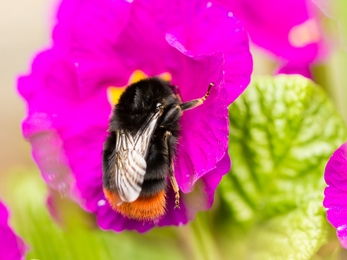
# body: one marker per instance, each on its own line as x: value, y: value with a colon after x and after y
x: 140, y: 149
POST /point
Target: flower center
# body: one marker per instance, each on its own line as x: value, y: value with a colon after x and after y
x: 114, y: 93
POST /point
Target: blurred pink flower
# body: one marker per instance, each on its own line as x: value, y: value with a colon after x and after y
x: 12, y: 247
x: 335, y: 200
x: 288, y: 29
x: 99, y: 44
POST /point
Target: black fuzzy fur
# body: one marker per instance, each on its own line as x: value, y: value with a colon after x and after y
x: 135, y: 105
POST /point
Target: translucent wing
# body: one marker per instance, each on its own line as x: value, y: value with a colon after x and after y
x: 130, y: 159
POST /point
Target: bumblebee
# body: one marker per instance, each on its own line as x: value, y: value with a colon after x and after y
x: 140, y: 148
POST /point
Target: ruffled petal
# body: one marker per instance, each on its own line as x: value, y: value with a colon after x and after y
x: 12, y: 247
x: 335, y: 200
x: 216, y: 50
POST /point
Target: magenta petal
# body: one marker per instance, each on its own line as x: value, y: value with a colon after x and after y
x: 203, y: 141
x: 214, y: 31
x: 216, y: 50
x: 47, y: 152
x: 12, y: 247
x: 335, y: 200
x: 302, y: 69
x: 341, y: 232
x: 89, y: 33
x: 213, y: 178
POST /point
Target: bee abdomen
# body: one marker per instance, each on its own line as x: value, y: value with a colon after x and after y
x: 144, y: 208
x: 153, y: 186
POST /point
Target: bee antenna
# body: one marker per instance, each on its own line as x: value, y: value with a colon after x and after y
x: 196, y: 102
x: 208, y: 91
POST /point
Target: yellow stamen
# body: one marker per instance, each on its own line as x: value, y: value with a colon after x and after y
x: 136, y: 76
x: 165, y: 76
x: 114, y: 93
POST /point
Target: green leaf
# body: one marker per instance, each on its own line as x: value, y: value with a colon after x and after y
x: 283, y: 130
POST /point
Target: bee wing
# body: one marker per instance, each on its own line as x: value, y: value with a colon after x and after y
x: 144, y: 135
x: 130, y: 159
x: 130, y: 167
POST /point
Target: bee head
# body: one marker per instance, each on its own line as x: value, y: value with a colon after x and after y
x: 143, y: 98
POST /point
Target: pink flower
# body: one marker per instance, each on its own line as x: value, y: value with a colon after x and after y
x: 99, y: 44
x: 288, y: 29
x: 12, y: 247
x: 335, y: 200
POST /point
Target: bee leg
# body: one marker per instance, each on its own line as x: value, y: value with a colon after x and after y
x: 173, y: 181
x: 196, y: 102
